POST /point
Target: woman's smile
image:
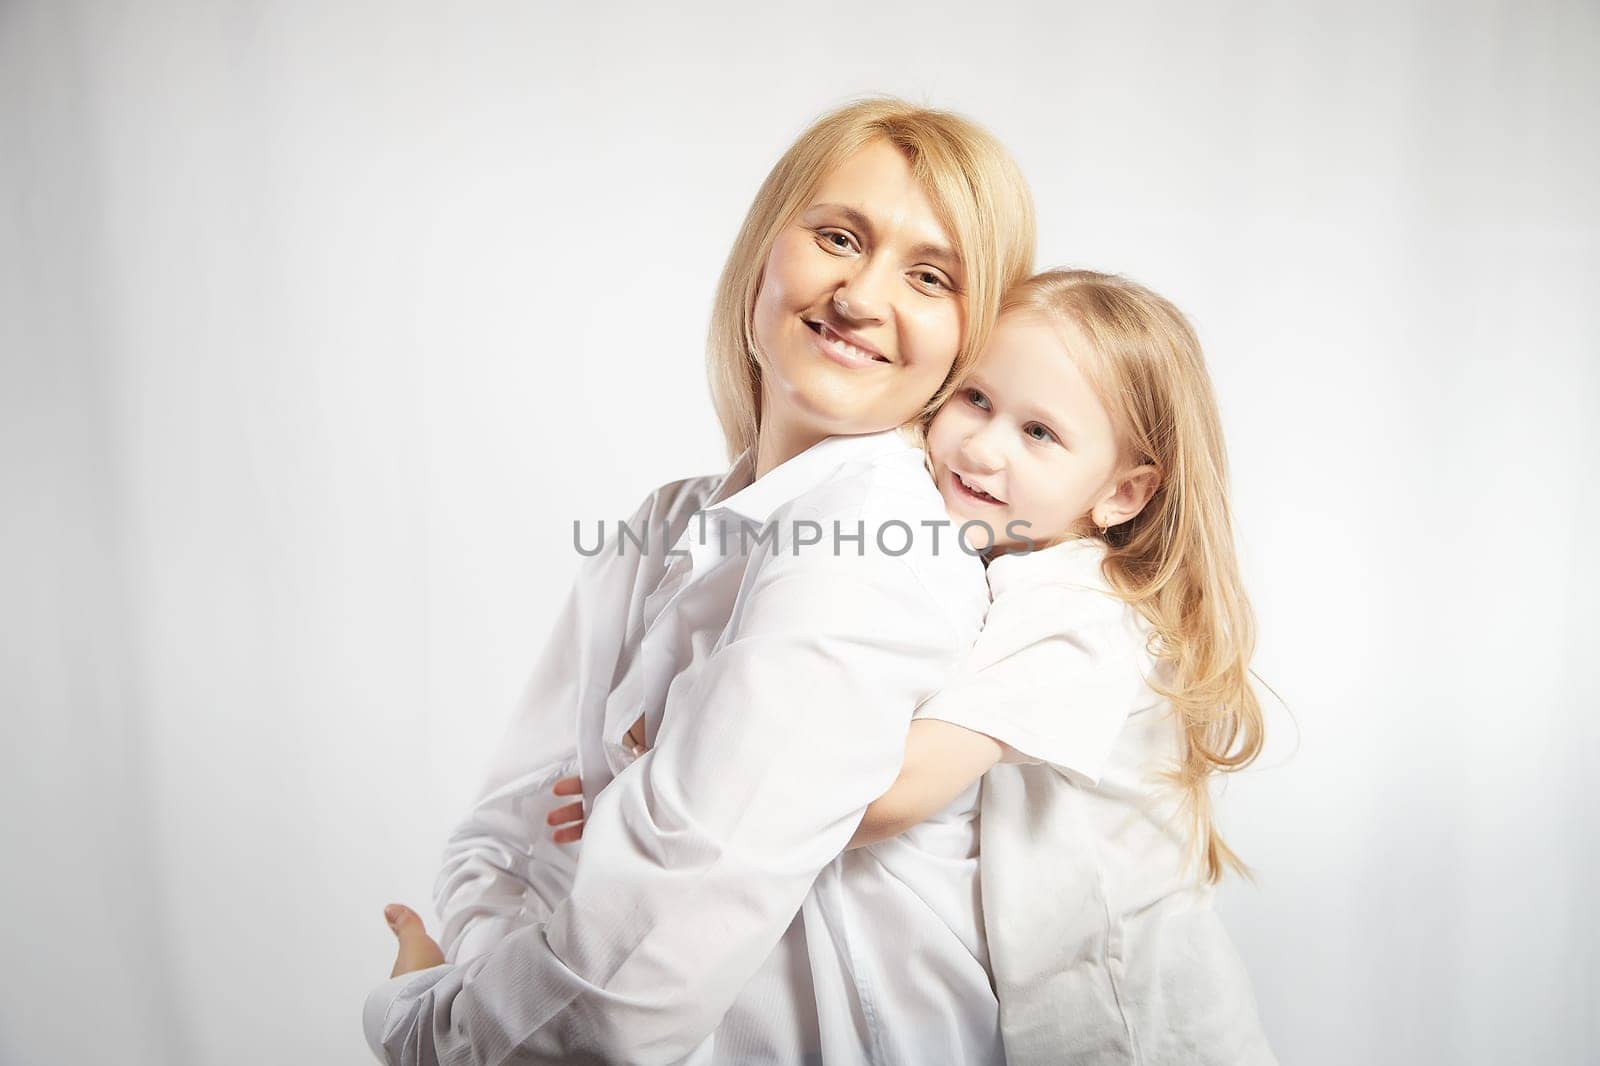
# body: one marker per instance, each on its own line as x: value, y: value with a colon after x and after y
x: 843, y: 347
x: 858, y: 317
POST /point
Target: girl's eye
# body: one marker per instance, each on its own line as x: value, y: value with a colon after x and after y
x: 1038, y: 432
x: 977, y: 399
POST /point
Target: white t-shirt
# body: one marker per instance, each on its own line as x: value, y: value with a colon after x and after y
x: 1104, y: 944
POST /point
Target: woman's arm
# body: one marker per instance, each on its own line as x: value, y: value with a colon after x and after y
x: 690, y: 872
x: 501, y: 871
x: 942, y: 760
x: 497, y: 872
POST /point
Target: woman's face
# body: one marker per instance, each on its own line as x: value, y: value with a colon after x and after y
x: 860, y: 310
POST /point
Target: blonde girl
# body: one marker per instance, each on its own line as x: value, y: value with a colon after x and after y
x: 1111, y: 679
x: 1109, y: 687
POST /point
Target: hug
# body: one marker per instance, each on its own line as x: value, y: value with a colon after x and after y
x: 864, y: 805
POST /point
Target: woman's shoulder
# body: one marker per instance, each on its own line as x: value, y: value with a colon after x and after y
x: 880, y: 474
x: 685, y: 495
x: 881, y: 508
x: 644, y: 536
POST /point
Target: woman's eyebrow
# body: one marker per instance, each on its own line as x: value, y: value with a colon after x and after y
x: 853, y: 215
x: 940, y: 254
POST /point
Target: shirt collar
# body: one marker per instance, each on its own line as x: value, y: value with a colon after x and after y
x: 755, y: 500
x: 1072, y: 562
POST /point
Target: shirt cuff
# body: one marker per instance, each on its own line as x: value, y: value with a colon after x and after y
x: 381, y: 1001
x: 485, y: 933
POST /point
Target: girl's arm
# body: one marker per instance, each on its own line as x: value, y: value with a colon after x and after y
x: 942, y: 760
x: 622, y: 970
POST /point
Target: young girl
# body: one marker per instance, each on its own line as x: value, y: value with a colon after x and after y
x: 1109, y: 684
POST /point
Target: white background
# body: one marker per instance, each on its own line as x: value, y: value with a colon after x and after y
x: 322, y: 321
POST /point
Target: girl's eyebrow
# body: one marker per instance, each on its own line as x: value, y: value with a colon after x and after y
x: 1053, y: 420
x: 940, y: 255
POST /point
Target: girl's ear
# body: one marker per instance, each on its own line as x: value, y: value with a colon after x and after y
x: 1134, y: 488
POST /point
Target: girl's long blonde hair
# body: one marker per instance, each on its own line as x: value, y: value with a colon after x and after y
x: 1174, y: 561
x: 975, y: 187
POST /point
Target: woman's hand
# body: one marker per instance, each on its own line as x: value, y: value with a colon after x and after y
x: 418, y: 950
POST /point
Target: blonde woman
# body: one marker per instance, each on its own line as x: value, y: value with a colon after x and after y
x: 711, y: 917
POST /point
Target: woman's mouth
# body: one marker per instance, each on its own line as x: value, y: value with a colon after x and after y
x: 842, y: 351
x: 972, y: 492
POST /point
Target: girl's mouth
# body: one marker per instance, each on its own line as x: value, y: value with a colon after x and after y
x: 972, y: 492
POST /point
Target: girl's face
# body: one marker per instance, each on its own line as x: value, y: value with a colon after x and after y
x: 1026, y: 439
x: 859, y: 314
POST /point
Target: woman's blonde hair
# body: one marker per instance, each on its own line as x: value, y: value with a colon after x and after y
x: 976, y: 189
x: 1175, y: 560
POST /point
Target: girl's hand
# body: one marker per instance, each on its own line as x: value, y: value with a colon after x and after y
x: 418, y: 950
x: 568, y: 819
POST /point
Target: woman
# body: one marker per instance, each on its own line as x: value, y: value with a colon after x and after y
x: 711, y: 918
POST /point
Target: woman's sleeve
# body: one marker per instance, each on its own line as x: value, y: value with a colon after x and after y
x: 1053, y: 676
x: 501, y: 869
x: 697, y: 857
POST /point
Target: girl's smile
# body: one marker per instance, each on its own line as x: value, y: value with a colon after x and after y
x: 966, y: 487
x: 1025, y: 445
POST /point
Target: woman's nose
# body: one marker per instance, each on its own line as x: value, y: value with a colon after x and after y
x: 862, y: 296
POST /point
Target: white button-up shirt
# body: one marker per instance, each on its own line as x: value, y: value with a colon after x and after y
x: 709, y: 916
x: 1106, y: 948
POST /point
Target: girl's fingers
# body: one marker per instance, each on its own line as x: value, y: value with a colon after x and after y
x: 568, y: 834
x: 572, y: 812
x: 568, y: 816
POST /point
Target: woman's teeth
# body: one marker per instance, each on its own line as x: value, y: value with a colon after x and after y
x: 845, y: 348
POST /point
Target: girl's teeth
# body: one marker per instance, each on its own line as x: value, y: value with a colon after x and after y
x: 975, y: 490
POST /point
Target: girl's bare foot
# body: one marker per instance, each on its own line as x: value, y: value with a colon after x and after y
x: 418, y: 950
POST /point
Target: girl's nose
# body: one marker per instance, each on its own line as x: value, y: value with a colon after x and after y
x: 980, y: 454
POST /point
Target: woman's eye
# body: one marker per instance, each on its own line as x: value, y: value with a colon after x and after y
x: 838, y: 241
x: 1038, y: 432
x: 932, y: 280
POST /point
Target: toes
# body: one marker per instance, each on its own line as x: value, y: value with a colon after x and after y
x: 401, y: 919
